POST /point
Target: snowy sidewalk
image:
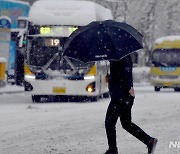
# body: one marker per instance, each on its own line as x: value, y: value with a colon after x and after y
x: 11, y: 89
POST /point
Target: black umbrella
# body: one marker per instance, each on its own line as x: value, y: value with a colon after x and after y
x: 103, y: 40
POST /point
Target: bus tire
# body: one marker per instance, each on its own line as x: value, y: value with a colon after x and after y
x: 177, y: 89
x: 36, y: 98
x: 27, y: 86
x: 94, y: 98
x: 157, y: 88
x: 106, y: 95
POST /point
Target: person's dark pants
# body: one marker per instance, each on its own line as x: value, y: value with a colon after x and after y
x: 122, y: 109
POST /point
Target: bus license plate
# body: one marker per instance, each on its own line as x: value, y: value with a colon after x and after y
x: 59, y: 90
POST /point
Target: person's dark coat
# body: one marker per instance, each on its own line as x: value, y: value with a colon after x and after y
x: 120, y: 77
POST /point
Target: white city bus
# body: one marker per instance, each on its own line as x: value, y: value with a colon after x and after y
x: 49, y: 75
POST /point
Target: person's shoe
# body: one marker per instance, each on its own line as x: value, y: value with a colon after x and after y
x: 152, y: 145
x: 111, y: 152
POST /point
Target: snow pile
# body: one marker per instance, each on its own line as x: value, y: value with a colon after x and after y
x: 67, y: 12
x: 11, y: 89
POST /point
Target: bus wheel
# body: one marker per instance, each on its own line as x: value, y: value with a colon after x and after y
x: 106, y: 95
x: 157, y: 88
x: 27, y: 86
x: 36, y: 98
x: 94, y: 98
x: 177, y: 89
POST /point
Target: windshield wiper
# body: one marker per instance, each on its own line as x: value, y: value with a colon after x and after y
x: 49, y: 62
x: 54, y: 57
x: 164, y: 64
x: 71, y: 64
x: 159, y: 63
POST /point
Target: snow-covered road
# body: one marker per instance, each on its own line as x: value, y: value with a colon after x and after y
x: 78, y: 128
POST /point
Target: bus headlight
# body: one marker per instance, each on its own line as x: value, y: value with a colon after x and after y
x: 30, y: 76
x: 91, y: 87
x: 89, y: 77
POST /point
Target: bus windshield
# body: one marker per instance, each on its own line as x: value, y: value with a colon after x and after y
x: 43, y: 54
x: 166, y: 57
x: 39, y: 53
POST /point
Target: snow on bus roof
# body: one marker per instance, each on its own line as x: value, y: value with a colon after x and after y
x: 5, y: 17
x: 16, y: 1
x: 69, y: 12
x: 2, y: 59
x: 167, y: 38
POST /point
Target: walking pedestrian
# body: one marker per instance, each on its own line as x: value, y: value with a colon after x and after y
x: 122, y: 99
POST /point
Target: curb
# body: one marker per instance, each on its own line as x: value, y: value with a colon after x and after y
x: 9, y: 89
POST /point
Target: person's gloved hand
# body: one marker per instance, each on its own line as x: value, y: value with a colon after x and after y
x: 131, y: 91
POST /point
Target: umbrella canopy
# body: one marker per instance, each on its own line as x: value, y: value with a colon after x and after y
x: 103, y: 40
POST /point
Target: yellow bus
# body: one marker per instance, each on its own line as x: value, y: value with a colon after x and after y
x: 165, y: 68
